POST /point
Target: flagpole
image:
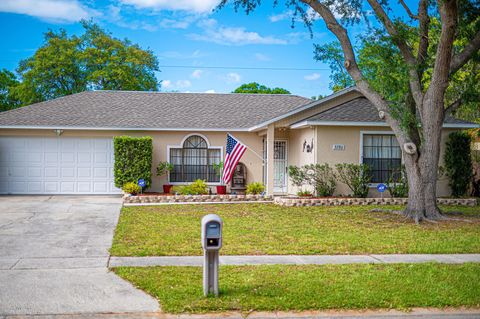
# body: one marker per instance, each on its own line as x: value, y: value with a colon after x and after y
x: 248, y: 147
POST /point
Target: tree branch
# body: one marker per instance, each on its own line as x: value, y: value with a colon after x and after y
x: 448, y: 14
x: 410, y: 14
x: 424, y: 22
x: 454, y: 106
x: 415, y: 83
x: 461, y: 58
x: 352, y: 67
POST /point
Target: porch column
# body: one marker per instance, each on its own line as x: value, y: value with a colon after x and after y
x: 270, y: 160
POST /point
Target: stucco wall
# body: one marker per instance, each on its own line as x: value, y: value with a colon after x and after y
x: 327, y: 136
x: 297, y: 156
x: 161, y: 140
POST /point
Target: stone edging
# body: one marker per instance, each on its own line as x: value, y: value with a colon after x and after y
x: 297, y: 201
x: 195, y: 199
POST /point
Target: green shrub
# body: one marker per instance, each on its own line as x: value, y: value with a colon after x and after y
x: 131, y: 188
x: 356, y: 177
x: 255, y: 188
x: 133, y: 159
x: 398, y: 183
x: 297, y: 176
x: 199, y: 187
x: 304, y: 193
x: 163, y: 168
x: 322, y: 178
x: 458, y: 163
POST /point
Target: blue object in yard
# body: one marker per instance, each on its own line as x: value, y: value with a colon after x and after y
x: 142, y: 183
x: 381, y: 188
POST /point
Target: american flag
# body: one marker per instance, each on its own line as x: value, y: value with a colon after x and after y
x: 235, y: 150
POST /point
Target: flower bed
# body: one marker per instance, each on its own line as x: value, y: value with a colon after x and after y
x: 338, y: 201
x: 195, y: 199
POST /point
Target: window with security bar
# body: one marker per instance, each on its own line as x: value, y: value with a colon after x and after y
x: 194, y: 161
x: 383, y: 155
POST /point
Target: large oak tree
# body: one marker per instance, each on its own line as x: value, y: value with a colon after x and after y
x: 416, y: 116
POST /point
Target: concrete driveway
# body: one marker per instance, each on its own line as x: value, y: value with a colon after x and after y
x: 54, y: 256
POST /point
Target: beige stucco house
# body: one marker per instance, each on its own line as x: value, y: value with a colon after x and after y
x: 64, y: 146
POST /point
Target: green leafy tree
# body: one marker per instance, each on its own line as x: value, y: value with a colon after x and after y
x: 256, y: 88
x: 458, y: 162
x: 95, y: 60
x: 8, y: 82
x: 427, y: 66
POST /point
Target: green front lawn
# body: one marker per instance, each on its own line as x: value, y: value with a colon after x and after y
x: 282, y: 288
x: 269, y: 229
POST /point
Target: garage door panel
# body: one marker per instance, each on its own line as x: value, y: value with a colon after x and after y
x: 35, y: 187
x: 52, y: 187
x: 58, y: 165
x: 35, y: 172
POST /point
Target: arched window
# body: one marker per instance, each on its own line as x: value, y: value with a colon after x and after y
x: 194, y: 160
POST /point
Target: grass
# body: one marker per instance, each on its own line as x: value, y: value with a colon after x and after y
x: 286, y: 288
x: 258, y: 229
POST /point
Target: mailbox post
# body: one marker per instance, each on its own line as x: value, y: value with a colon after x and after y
x: 211, y: 242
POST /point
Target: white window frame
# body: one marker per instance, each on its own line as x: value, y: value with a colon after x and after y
x: 362, y: 133
x: 209, y: 147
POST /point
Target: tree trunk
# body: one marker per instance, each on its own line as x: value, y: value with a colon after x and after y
x: 422, y: 167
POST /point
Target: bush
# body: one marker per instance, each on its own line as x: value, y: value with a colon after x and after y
x: 458, y: 163
x: 304, y: 193
x: 356, y: 177
x: 297, y: 176
x: 398, y: 184
x: 133, y: 159
x: 199, y: 187
x: 255, y: 188
x: 322, y: 178
x: 163, y: 168
x: 131, y: 188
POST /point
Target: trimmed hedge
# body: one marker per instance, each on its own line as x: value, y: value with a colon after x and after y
x: 133, y: 159
x: 458, y: 163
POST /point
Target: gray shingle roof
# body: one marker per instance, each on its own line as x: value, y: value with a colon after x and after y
x: 137, y: 110
x: 360, y: 110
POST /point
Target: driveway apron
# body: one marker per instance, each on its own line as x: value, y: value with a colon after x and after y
x: 54, y: 257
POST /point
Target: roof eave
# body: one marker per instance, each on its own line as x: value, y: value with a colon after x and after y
x: 304, y: 124
x: 91, y: 128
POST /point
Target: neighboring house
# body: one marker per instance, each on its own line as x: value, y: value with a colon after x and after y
x: 64, y: 146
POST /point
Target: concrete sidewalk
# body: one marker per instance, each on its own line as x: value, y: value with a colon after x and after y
x: 294, y: 260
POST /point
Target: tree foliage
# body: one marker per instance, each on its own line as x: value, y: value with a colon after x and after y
x: 256, y: 88
x: 8, y: 82
x: 94, y: 60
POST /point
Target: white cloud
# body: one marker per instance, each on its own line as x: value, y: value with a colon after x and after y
x: 174, y: 24
x: 198, y: 6
x: 177, y: 85
x: 167, y: 84
x: 231, y: 35
x: 312, y: 77
x: 181, y: 56
x: 210, y: 91
x: 52, y: 10
x: 262, y: 57
x: 197, y: 74
x: 281, y: 16
x: 233, y: 77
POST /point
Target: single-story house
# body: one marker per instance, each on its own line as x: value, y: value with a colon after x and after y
x: 64, y: 146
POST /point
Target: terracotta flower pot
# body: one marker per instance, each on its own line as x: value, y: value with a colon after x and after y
x: 167, y: 188
x: 221, y: 190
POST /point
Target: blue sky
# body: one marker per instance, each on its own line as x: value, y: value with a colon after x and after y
x: 185, y: 34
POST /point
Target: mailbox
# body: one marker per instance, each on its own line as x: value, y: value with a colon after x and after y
x: 212, y: 232
x: 211, y: 242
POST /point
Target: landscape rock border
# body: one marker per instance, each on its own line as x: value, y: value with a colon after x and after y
x: 285, y: 200
x: 335, y: 201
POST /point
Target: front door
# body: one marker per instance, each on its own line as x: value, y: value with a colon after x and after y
x: 280, y: 167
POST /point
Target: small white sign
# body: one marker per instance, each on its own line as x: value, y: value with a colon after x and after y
x: 338, y: 147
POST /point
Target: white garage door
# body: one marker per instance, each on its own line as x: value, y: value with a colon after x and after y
x: 38, y: 165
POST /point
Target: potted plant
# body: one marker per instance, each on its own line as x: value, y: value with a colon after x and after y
x: 221, y: 189
x: 164, y: 168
